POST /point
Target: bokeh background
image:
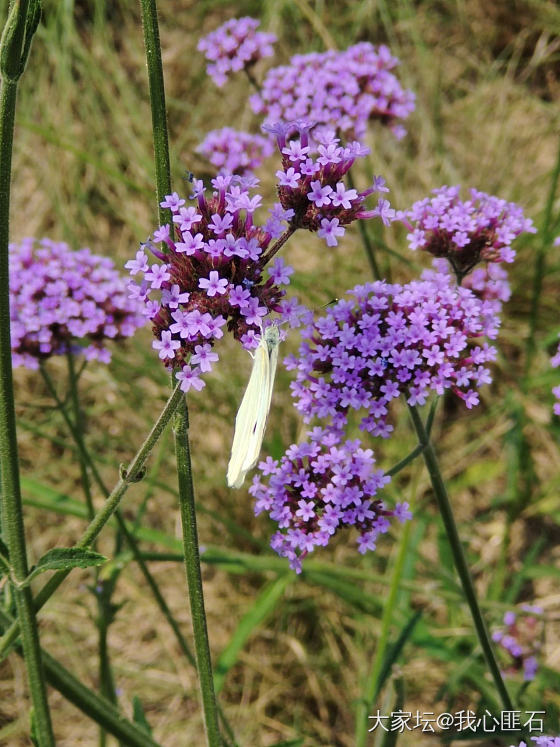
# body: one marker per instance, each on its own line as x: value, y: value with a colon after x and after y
x: 294, y: 651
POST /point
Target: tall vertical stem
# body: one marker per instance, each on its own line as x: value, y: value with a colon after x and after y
x: 12, y: 50
x: 182, y: 449
x: 157, y: 103
x: 194, y: 576
x: 446, y: 513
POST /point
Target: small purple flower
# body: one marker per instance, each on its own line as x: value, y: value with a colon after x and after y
x: 140, y: 264
x: 330, y: 230
x: 204, y: 357
x: 214, y: 284
x: 234, y: 46
x: 166, y: 346
x: 157, y: 275
x: 189, y: 379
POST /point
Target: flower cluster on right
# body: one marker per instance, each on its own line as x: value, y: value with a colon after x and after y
x: 465, y: 232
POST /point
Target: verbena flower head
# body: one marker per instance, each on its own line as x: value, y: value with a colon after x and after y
x: 63, y: 300
x: 234, y: 152
x: 555, y: 362
x: 386, y: 340
x: 234, y: 46
x: 311, y: 186
x: 318, y: 488
x: 465, y: 232
x: 210, y: 274
x: 543, y: 741
x: 339, y: 90
x: 521, y: 640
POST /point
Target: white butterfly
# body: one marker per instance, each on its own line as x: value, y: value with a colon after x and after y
x: 251, y: 417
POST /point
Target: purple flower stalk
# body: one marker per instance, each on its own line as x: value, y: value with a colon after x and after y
x: 310, y: 184
x: 520, y: 639
x: 63, y: 300
x: 235, y: 45
x: 384, y: 341
x: 211, y: 276
x: 319, y: 487
x: 234, y: 152
x: 339, y: 90
x: 465, y: 232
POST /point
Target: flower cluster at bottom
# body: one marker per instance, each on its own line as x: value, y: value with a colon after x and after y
x: 543, y: 741
x: 319, y: 487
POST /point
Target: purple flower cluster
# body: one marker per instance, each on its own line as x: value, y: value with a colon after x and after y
x: 235, y: 152
x: 387, y: 340
x: 342, y: 90
x: 520, y: 639
x: 555, y: 362
x: 62, y: 300
x: 319, y: 487
x: 310, y: 183
x: 235, y: 45
x: 465, y: 232
x: 543, y: 741
x: 211, y: 274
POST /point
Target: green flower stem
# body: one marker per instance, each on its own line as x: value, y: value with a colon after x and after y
x: 366, y: 241
x: 78, y: 420
x: 157, y: 103
x: 446, y: 512
x: 139, y: 557
x: 381, y: 648
x: 132, y: 474
x: 107, y: 686
x: 94, y: 706
x: 194, y: 577
x: 182, y: 450
x: 128, y: 535
x: 15, y: 39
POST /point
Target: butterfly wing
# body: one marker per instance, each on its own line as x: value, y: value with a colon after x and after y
x: 248, y: 419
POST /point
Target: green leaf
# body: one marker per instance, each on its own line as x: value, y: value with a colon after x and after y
x: 393, y: 652
x: 263, y: 606
x: 65, y: 558
x: 138, y: 715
